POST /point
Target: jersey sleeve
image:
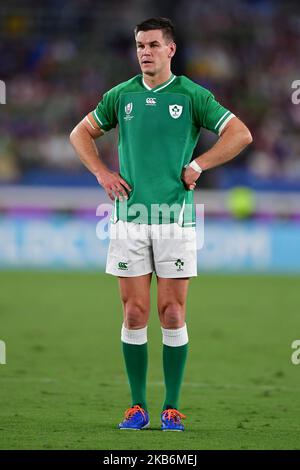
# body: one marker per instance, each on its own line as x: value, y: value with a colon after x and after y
x: 209, y: 113
x: 105, y: 113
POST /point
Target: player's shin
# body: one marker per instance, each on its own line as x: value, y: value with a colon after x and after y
x: 135, y: 351
x: 175, y: 348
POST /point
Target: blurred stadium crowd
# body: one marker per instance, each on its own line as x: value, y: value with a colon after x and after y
x: 57, y: 58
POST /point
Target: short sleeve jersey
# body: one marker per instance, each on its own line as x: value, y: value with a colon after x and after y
x: 158, y: 131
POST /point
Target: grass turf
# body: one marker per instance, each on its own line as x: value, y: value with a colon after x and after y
x: 64, y: 385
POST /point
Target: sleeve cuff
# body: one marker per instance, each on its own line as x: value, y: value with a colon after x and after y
x: 224, y: 120
x: 100, y: 123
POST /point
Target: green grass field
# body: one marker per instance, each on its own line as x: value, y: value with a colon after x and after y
x: 64, y: 386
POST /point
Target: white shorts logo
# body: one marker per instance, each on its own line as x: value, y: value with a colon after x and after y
x: 175, y: 110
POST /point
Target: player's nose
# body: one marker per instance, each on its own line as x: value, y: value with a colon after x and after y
x: 146, y: 51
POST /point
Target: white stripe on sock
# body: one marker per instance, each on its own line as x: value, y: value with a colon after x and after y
x: 134, y: 336
x: 176, y: 337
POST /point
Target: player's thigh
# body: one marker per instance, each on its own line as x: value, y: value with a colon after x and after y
x: 130, y: 252
x: 135, y: 292
x: 174, y: 251
x: 172, y: 293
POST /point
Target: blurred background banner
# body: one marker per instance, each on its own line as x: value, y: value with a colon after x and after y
x: 56, y: 64
x: 43, y: 229
x: 232, y: 246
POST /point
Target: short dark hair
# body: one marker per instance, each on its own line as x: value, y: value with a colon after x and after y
x: 164, y: 24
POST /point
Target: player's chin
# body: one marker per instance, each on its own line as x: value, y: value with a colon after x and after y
x: 148, y: 69
x: 151, y: 73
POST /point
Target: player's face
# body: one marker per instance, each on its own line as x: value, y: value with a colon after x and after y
x: 154, y: 52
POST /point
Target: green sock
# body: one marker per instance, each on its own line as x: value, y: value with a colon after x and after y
x: 174, y: 359
x: 136, y: 361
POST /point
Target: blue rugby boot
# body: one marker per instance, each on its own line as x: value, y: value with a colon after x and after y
x: 171, y: 420
x: 136, y: 418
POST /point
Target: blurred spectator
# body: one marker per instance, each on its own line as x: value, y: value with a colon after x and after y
x: 58, y: 60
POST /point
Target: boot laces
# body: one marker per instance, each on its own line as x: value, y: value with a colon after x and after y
x: 173, y: 415
x: 132, y: 411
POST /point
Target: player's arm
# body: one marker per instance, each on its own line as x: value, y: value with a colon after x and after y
x: 233, y: 139
x: 83, y: 138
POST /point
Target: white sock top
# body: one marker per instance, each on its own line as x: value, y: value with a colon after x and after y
x: 175, y: 337
x: 134, y: 336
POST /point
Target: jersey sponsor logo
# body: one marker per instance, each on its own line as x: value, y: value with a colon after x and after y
x: 179, y: 264
x: 128, y: 109
x: 123, y: 266
x: 151, y: 101
x: 175, y: 110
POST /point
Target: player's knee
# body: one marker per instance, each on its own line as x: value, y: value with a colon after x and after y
x: 136, y: 316
x: 172, y: 315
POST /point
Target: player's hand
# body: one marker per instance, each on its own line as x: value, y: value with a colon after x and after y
x: 114, y: 185
x: 189, y: 177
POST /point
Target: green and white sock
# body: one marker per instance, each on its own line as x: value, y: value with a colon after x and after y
x: 175, y: 348
x: 135, y: 351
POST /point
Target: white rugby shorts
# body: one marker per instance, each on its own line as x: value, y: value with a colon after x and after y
x: 169, y: 250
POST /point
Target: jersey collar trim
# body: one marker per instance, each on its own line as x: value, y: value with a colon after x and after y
x: 159, y: 87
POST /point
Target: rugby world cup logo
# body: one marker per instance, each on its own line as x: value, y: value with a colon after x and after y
x: 128, y: 108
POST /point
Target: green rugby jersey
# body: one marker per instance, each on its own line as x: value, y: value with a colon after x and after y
x: 158, y: 131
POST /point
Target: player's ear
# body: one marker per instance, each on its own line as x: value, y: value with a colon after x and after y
x: 172, y: 47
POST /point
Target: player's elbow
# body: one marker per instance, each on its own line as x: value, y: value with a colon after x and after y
x: 246, y: 137
x: 243, y: 134
x: 239, y: 132
x: 73, y: 134
x: 77, y: 135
